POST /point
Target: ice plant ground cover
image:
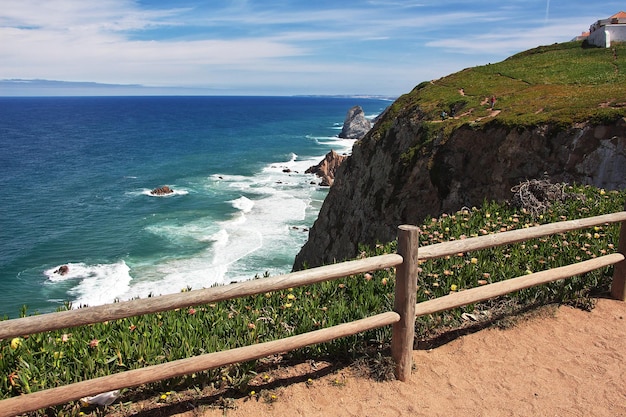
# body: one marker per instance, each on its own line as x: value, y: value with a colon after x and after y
x: 45, y: 360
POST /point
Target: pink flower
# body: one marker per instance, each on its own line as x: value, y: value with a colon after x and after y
x: 94, y: 343
x: 191, y: 311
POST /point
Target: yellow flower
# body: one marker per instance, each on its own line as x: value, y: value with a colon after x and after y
x: 15, y: 343
x: 602, y: 192
x: 453, y: 287
x: 384, y: 281
x: 288, y: 305
x: 252, y: 393
x: 291, y: 297
x: 474, y: 261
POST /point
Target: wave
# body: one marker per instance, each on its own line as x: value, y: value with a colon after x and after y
x: 272, y: 210
x: 244, y: 204
x: 98, y: 284
x: 340, y: 145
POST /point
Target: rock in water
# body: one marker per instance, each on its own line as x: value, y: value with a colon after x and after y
x: 327, y: 168
x: 62, y: 270
x: 355, y: 126
x: 162, y: 190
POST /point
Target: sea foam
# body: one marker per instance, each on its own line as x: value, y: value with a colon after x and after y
x: 97, y: 284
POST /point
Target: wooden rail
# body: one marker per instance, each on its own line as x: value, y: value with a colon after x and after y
x: 123, y: 309
x: 496, y: 289
x: 402, y: 318
x: 439, y: 250
x: 61, y: 395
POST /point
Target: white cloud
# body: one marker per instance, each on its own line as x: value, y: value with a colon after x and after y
x: 514, y: 40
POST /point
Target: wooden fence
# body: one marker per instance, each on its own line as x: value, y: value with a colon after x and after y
x: 402, y: 318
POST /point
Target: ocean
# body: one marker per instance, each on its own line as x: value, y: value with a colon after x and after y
x: 76, y: 175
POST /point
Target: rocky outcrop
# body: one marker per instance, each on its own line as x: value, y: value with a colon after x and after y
x: 327, y: 168
x: 62, y: 270
x: 355, y: 125
x: 393, y: 177
x: 162, y: 190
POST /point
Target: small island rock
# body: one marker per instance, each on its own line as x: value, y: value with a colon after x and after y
x: 162, y: 190
x: 62, y: 270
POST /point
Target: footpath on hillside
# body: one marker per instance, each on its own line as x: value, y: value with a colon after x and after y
x: 558, y: 362
x: 555, y: 361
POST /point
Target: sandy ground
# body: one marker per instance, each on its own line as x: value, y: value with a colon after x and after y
x: 565, y: 362
x: 558, y: 362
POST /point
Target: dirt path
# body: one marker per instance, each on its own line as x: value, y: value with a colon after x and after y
x: 566, y: 362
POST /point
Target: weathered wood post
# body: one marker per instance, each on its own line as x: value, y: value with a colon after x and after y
x: 404, y: 302
x: 618, y: 287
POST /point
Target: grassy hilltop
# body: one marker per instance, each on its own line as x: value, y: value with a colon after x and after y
x: 560, y: 84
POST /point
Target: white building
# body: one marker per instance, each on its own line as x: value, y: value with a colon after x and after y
x: 605, y: 31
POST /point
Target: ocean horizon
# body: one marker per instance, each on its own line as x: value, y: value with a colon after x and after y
x: 76, y: 175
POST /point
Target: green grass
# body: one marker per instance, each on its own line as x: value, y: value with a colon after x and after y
x: 558, y: 84
x: 57, y: 358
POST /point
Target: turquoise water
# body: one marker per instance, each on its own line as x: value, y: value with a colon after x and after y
x: 76, y: 175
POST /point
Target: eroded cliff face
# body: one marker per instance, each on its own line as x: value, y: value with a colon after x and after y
x: 393, y: 178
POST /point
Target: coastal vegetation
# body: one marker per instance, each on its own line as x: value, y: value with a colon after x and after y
x: 45, y: 360
x: 559, y: 84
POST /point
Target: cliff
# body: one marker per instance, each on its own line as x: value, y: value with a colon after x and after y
x: 413, y: 164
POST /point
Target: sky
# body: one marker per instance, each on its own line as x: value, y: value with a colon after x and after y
x: 273, y: 47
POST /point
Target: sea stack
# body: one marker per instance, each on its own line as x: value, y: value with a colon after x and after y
x: 355, y: 126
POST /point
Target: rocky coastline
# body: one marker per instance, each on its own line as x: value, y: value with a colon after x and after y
x: 376, y: 188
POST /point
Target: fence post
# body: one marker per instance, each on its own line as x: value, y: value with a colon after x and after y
x: 404, y: 302
x: 618, y: 287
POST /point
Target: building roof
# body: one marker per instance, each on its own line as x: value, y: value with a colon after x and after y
x: 619, y: 15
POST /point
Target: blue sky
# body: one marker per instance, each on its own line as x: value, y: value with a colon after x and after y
x: 276, y: 47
